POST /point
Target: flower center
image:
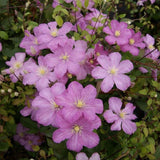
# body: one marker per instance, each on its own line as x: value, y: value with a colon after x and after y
x: 35, y: 41
x: 131, y: 41
x: 69, y: 75
x: 17, y: 65
x: 42, y: 71
x: 98, y: 54
x: 122, y: 115
x: 113, y: 71
x: 54, y: 33
x: 117, y: 33
x: 150, y: 46
x: 80, y: 104
x: 33, y: 51
x: 77, y: 128
x: 65, y: 57
x: 91, y: 61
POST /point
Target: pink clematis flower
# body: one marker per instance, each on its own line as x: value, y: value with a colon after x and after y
x: 79, y: 101
x: 83, y: 156
x: 79, y: 133
x: 48, y: 110
x: 16, y: 66
x: 135, y: 42
x: 118, y: 33
x: 0, y: 46
x: 121, y: 117
x: 39, y: 75
x: 112, y: 71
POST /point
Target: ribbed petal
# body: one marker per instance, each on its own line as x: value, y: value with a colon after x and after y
x: 107, y: 84
x: 81, y: 156
x: 116, y: 126
x: 115, y: 58
x: 95, y: 156
x: 110, y: 117
x: 129, y: 127
x: 99, y: 73
x: 115, y: 104
x: 125, y: 66
x: 122, y: 81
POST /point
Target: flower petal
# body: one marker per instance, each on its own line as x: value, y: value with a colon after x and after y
x: 107, y: 84
x: 115, y: 104
x: 129, y: 127
x: 81, y: 156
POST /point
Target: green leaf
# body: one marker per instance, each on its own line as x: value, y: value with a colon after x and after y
x: 157, y: 154
x: 3, y: 35
x: 79, y: 3
x: 86, y: 3
x: 4, y: 146
x: 70, y: 156
x: 59, y: 20
x: 144, y: 91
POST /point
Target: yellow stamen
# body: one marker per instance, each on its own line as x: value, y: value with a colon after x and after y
x: 150, y: 46
x: 98, y: 54
x: 69, y: 75
x: 122, y: 114
x: 17, y: 65
x: 91, y: 61
x: 117, y: 33
x: 77, y: 128
x: 113, y: 71
x: 80, y: 104
x: 131, y: 41
x: 33, y: 51
x: 54, y: 33
x: 42, y: 71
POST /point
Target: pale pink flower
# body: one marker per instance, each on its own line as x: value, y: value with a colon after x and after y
x: 121, y: 117
x: 78, y: 133
x: 112, y: 72
x: 118, y: 33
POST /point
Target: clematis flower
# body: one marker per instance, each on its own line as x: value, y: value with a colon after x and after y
x: 112, y: 71
x: 121, y: 117
x: 135, y: 42
x: 78, y: 133
x: 48, y: 110
x: 118, y: 33
x: 83, y: 156
x: 39, y: 75
x: 79, y: 101
x: 16, y: 66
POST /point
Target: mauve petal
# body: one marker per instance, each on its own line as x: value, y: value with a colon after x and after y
x: 46, y: 94
x: 52, y: 60
x: 107, y: 30
x: 44, y: 38
x: 98, y: 73
x: 52, y: 25
x: 122, y: 40
x: 71, y: 114
x: 60, y: 70
x: 67, y: 26
x: 42, y: 83
x: 80, y: 46
x: 26, y: 111
x: 40, y: 103
x: 74, y: 89
x: 73, y: 67
x: 89, y: 92
x: 96, y: 123
x: 111, y: 39
x: 115, y: 58
x: 51, y: 76
x: 115, y: 104
x: 81, y: 156
x: 125, y: 66
x: 74, y: 143
x: 30, y: 78
x: 89, y: 139
x: 95, y: 156
x: 61, y: 134
x: 20, y: 56
x: 116, y: 126
x: 57, y: 89
x: 44, y: 116
x: 122, y: 81
x: 107, y: 84
x: 129, y: 108
x: 104, y: 61
x: 43, y: 29
x: 98, y: 104
x: 115, y: 24
x: 110, y: 117
x: 89, y: 113
x: 129, y: 127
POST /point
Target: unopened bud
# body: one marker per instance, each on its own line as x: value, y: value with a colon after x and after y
x: 16, y: 94
x: 129, y: 98
x: 2, y: 91
x: 155, y: 95
x: 9, y: 90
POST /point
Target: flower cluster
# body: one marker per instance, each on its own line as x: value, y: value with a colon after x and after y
x: 61, y: 100
x: 27, y: 140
